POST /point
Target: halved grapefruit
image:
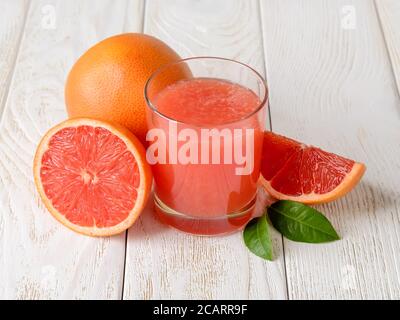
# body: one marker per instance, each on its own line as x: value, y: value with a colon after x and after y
x: 294, y: 171
x: 92, y: 176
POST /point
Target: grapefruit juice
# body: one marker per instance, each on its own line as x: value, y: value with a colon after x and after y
x: 206, y: 151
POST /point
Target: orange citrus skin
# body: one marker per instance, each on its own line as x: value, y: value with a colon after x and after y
x: 133, y: 145
x: 108, y: 80
x: 342, y: 189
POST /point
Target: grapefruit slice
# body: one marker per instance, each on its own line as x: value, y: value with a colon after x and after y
x: 92, y: 176
x: 294, y: 171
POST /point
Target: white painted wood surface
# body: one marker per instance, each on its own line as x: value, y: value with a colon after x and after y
x: 169, y: 264
x: 334, y: 87
x: 11, y: 27
x: 389, y: 15
x: 39, y: 258
x: 333, y: 84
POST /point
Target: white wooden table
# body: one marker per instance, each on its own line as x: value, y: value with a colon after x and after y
x: 333, y: 68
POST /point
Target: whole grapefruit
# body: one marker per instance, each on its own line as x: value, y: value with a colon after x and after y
x: 107, y: 82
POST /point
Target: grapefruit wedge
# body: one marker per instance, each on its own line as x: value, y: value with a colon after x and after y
x: 92, y: 176
x: 294, y: 171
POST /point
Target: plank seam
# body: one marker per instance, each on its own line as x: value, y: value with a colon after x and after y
x: 127, y: 231
x: 10, y: 78
x: 380, y: 23
x: 263, y: 47
x: 265, y: 58
x: 144, y: 13
x: 124, y: 267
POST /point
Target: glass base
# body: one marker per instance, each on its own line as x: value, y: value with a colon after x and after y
x: 226, y: 224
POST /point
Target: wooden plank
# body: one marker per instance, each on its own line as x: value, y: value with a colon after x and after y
x: 389, y: 15
x: 332, y: 86
x: 11, y: 27
x: 39, y: 258
x: 161, y: 262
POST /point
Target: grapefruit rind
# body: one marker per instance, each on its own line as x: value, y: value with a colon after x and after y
x: 133, y: 144
x: 348, y: 183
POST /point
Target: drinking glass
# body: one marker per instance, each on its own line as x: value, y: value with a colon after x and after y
x: 205, y: 194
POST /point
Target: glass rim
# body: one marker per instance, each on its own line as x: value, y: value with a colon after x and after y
x: 165, y: 66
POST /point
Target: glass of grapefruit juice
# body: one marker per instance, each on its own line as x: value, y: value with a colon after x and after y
x: 206, y: 118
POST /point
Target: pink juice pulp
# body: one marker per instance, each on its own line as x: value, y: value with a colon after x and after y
x: 207, y: 198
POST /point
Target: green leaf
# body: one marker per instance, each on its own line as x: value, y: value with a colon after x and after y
x: 302, y: 223
x: 257, y: 238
